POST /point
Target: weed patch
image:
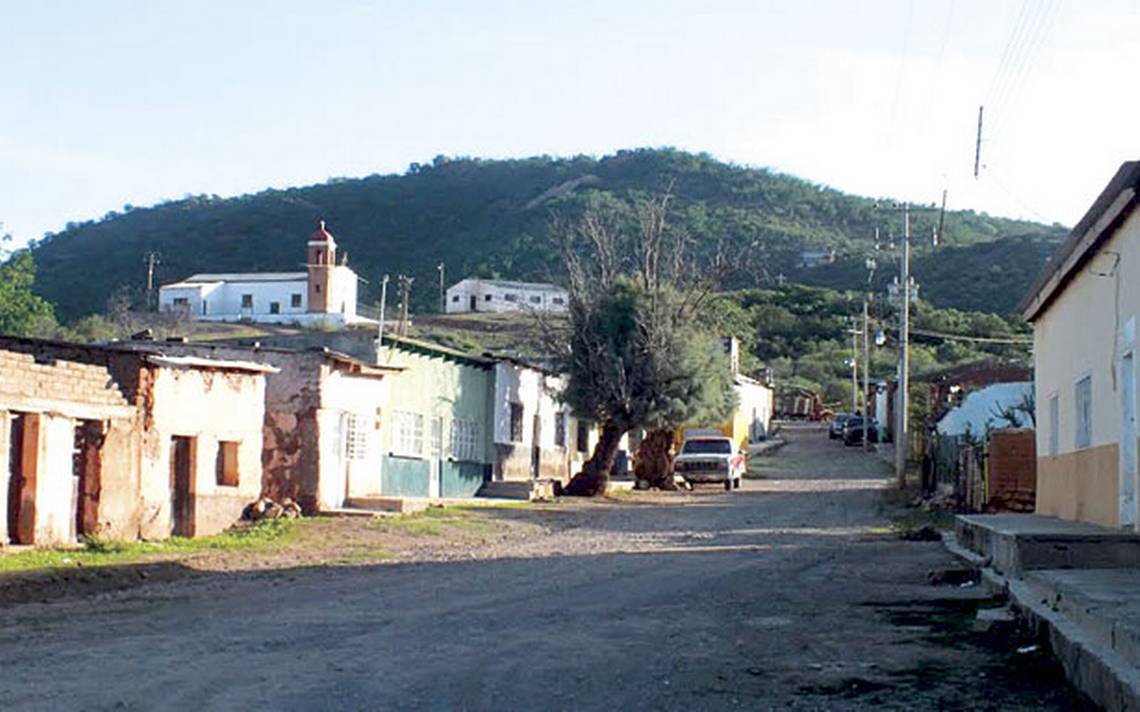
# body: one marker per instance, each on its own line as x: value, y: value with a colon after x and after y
x: 103, y: 552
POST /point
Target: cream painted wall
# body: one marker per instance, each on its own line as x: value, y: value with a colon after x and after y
x: 210, y: 406
x: 1086, y: 330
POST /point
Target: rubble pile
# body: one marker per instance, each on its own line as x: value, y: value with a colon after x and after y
x: 266, y: 508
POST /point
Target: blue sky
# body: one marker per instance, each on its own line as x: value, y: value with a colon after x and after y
x: 108, y: 103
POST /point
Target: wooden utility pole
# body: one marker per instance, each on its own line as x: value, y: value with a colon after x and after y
x: 405, y: 283
x: 151, y: 259
x: 383, y: 303
x: 442, y: 294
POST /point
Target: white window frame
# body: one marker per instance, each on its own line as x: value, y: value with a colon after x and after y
x: 356, y: 436
x: 407, y: 434
x: 1082, y: 412
x: 464, y: 440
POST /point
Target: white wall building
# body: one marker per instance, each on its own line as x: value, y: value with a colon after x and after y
x: 492, y: 295
x: 757, y: 401
x: 326, y: 292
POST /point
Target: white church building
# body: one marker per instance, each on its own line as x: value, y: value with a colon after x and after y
x: 324, y: 293
x: 494, y: 295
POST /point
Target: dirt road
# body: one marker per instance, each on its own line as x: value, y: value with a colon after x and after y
x: 790, y: 594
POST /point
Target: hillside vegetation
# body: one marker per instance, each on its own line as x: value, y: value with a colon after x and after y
x: 492, y: 218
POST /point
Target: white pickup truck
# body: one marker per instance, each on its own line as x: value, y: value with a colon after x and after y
x: 710, y: 458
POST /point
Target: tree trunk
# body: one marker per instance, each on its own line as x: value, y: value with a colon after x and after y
x: 654, y: 459
x: 595, y: 474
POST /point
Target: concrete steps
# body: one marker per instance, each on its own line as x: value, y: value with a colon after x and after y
x: 1102, y: 602
x: 1015, y: 543
x: 525, y: 490
x: 393, y: 505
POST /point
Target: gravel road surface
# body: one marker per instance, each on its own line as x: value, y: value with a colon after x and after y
x: 789, y: 594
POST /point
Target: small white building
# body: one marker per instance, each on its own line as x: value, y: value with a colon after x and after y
x: 326, y: 292
x: 493, y: 295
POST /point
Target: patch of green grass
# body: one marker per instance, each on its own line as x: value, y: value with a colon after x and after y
x: 103, y: 552
x: 365, y: 555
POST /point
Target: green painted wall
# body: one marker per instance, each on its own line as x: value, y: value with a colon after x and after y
x: 437, y: 387
x: 404, y: 477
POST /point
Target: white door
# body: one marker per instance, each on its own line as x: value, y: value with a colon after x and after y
x: 435, y: 485
x: 1127, y: 442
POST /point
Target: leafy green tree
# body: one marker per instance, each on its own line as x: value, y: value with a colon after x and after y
x: 21, y: 312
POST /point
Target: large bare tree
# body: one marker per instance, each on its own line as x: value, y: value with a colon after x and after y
x: 633, y: 349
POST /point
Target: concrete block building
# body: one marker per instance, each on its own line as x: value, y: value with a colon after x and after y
x: 324, y: 415
x: 1083, y: 309
x: 534, y: 435
x: 122, y: 444
x: 501, y: 296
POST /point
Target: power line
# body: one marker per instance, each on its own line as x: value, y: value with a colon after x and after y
x: 977, y: 339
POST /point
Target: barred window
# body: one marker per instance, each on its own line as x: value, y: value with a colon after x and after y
x: 465, y: 439
x: 516, y: 422
x: 560, y: 429
x: 407, y: 433
x: 356, y: 437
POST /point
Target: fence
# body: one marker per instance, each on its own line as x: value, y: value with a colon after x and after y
x: 996, y: 474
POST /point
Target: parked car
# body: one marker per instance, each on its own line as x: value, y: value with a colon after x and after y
x: 853, y: 431
x: 710, y: 459
x: 835, y: 430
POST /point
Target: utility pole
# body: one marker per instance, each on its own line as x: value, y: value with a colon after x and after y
x: 978, y: 144
x: 383, y: 303
x: 405, y: 283
x: 151, y: 259
x: 442, y: 294
x: 866, y: 377
x: 903, y: 397
x: 855, y: 369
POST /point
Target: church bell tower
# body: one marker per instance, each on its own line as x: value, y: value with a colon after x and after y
x: 321, y: 261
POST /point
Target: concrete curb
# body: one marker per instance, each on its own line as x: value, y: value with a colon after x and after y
x: 1092, y: 667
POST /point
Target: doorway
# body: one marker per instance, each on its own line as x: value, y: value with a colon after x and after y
x: 85, y: 471
x: 474, y: 303
x: 536, y: 447
x: 181, y: 489
x: 23, y: 430
x: 435, y: 481
x: 1127, y: 441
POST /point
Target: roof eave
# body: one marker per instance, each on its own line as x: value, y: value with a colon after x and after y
x: 1108, y: 211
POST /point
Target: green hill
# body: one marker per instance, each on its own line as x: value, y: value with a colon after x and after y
x: 491, y: 219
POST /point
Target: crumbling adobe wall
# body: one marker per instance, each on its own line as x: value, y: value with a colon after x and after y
x: 209, y: 406
x: 60, y: 385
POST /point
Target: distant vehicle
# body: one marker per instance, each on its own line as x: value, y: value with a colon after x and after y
x: 708, y: 458
x: 835, y: 430
x: 797, y: 403
x: 853, y: 431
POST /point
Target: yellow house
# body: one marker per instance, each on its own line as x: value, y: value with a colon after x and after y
x: 751, y: 419
x: 1083, y: 309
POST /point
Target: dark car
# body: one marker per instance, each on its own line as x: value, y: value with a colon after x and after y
x: 853, y: 431
x: 835, y: 431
